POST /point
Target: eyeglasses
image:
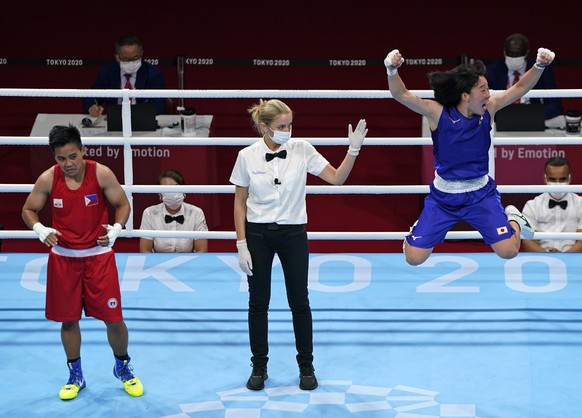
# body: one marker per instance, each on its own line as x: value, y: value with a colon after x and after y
x: 128, y: 59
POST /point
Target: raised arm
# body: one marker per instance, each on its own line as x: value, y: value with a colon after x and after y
x: 401, y: 94
x: 338, y: 176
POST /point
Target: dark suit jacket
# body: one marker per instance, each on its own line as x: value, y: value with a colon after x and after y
x: 497, y: 79
x: 148, y: 77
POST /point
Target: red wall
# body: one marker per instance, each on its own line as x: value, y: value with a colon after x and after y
x: 307, y: 33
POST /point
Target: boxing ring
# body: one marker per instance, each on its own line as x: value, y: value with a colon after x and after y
x: 463, y: 335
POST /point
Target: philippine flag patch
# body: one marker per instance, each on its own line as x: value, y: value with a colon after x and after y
x: 57, y: 203
x: 502, y: 230
x: 91, y: 200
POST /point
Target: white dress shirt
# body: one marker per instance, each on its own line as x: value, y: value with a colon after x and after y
x: 544, y: 219
x: 154, y: 219
x: 268, y: 202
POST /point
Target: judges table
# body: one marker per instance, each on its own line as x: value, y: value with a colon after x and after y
x: 169, y: 125
x: 197, y: 164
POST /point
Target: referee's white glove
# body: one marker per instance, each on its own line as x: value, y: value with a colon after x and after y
x: 356, y: 137
x: 245, y: 261
x: 43, y: 232
x: 113, y: 232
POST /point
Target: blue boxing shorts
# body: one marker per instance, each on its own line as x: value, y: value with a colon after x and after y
x: 481, y: 208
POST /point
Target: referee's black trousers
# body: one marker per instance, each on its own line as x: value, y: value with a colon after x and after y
x: 290, y: 243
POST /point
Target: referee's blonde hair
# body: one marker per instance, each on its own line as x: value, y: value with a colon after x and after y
x: 266, y: 111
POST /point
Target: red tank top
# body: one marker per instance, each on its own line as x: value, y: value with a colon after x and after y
x: 78, y: 214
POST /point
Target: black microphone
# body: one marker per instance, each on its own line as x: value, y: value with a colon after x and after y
x: 277, y: 182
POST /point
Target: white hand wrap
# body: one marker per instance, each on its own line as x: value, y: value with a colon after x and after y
x: 42, y: 231
x: 245, y: 261
x: 544, y: 55
x: 392, y: 68
x: 356, y: 137
x: 113, y: 233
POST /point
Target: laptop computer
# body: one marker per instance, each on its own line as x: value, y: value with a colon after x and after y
x: 143, y: 117
x: 521, y: 117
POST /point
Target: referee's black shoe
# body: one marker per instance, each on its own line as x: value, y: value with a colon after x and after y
x: 257, y: 379
x: 307, y: 379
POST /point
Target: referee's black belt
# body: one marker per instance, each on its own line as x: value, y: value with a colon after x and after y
x: 273, y: 226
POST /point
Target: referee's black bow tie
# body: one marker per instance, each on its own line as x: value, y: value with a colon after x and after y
x: 280, y: 154
x: 179, y: 219
x: 563, y: 203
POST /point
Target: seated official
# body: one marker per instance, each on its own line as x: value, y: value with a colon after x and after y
x: 504, y: 73
x: 555, y: 211
x: 129, y: 72
x: 173, y: 215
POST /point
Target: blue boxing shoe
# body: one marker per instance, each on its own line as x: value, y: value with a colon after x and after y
x: 75, y: 384
x: 124, y: 372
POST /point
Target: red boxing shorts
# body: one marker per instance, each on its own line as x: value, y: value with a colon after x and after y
x: 82, y: 282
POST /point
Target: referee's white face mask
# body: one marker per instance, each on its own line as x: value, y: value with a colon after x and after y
x: 280, y: 137
x: 173, y: 200
x: 558, y: 195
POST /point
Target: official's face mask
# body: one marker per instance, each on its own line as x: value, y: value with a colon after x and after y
x: 130, y: 67
x: 515, y: 63
x: 280, y: 137
x: 173, y: 200
x: 557, y: 195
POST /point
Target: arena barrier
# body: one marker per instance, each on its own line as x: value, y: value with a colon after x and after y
x: 127, y: 141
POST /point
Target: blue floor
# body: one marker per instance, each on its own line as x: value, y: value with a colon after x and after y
x: 465, y: 335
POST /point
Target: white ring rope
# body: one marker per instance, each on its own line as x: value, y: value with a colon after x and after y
x: 368, y: 189
x: 355, y: 236
x: 244, y: 141
x: 253, y: 94
x: 127, y: 141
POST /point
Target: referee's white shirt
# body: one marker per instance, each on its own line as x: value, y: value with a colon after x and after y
x: 544, y: 219
x: 153, y: 219
x: 269, y: 202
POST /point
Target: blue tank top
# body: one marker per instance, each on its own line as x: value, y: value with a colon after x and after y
x: 461, y: 145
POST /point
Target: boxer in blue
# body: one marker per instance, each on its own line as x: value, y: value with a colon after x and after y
x: 460, y: 121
